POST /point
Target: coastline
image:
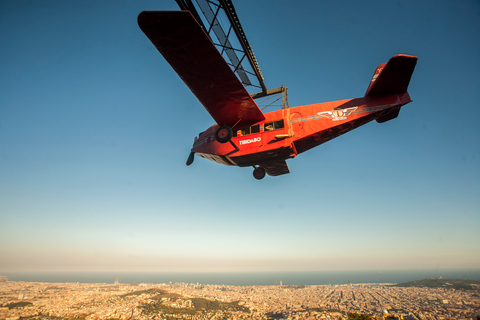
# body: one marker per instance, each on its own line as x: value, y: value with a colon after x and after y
x: 291, y: 278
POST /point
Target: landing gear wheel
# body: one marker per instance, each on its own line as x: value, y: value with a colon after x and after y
x: 259, y: 173
x: 223, y: 134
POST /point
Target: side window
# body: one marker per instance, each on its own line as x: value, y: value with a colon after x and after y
x: 268, y: 126
x: 274, y: 125
x: 279, y: 124
x: 249, y: 130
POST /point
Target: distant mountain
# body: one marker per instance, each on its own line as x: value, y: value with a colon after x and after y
x: 443, y: 283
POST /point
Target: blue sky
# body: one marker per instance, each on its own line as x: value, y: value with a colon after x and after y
x: 95, y: 129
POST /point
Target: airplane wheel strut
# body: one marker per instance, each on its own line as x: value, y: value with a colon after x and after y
x: 259, y: 173
x: 223, y: 134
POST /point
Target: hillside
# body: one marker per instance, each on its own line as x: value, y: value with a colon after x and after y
x: 443, y: 283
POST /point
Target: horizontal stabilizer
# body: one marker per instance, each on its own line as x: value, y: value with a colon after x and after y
x: 194, y: 57
x: 389, y: 116
x: 275, y: 167
x: 392, y: 77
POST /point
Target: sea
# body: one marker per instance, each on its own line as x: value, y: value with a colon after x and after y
x: 293, y: 278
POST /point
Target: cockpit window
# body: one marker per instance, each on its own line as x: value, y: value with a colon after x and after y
x: 274, y: 125
x: 250, y: 130
x: 268, y: 126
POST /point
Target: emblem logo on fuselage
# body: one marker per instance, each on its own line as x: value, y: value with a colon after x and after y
x: 336, y: 115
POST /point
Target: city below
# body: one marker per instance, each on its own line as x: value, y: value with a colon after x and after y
x: 427, y: 299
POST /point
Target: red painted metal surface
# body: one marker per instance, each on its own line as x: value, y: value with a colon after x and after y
x: 191, y: 53
x: 305, y: 127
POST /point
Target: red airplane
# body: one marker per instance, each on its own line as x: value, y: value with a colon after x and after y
x: 245, y: 136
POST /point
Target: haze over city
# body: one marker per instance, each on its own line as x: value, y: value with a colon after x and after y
x: 95, y: 129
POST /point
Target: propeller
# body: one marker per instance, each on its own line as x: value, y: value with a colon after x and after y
x: 190, y: 158
x: 192, y: 154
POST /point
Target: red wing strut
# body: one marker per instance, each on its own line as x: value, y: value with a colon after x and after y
x: 193, y: 56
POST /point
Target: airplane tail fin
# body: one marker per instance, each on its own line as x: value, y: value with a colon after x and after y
x: 392, y: 77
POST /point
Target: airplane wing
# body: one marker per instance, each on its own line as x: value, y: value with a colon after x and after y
x: 275, y: 167
x: 194, y: 57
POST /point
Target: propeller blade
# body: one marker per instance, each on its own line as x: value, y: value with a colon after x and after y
x: 190, y: 158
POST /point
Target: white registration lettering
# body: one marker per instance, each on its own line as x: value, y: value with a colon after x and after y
x: 247, y: 141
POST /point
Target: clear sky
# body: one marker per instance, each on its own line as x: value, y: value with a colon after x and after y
x: 95, y: 129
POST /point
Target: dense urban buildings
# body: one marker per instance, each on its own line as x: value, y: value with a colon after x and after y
x: 34, y: 300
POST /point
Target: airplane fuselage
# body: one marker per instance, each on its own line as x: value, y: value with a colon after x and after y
x: 285, y: 133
